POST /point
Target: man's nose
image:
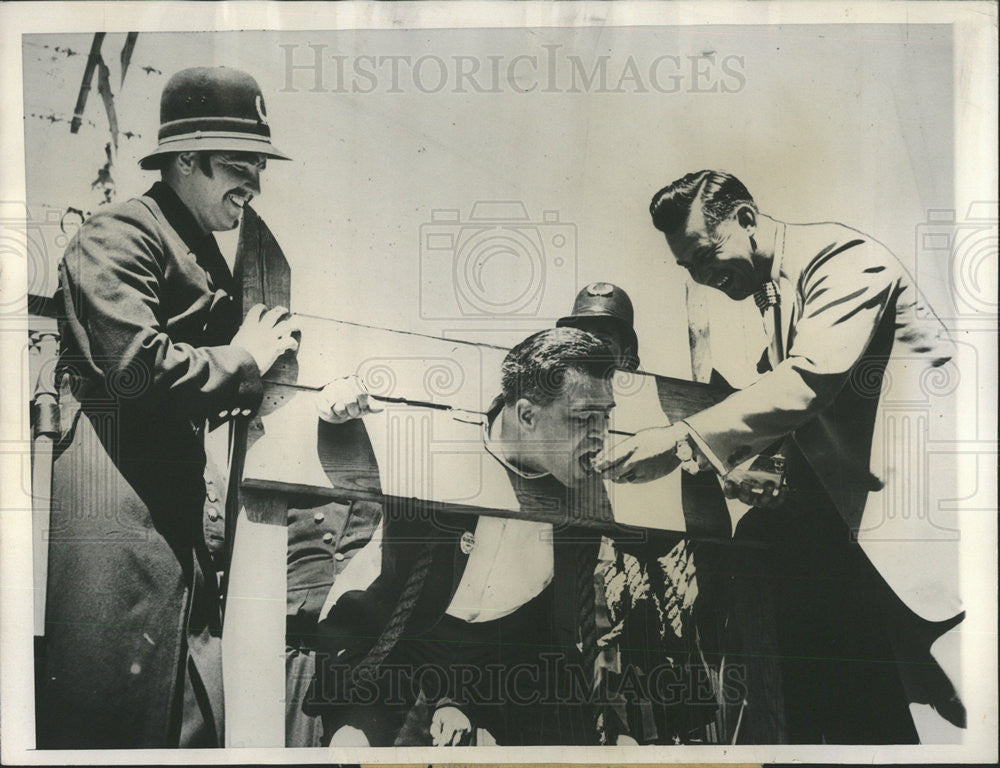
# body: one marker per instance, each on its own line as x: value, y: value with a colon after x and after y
x: 597, y: 429
x: 253, y: 181
x: 249, y: 177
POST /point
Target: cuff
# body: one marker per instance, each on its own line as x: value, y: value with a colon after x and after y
x: 245, y: 398
x: 702, y: 446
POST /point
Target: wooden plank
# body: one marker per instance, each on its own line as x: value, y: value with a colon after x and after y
x: 263, y: 272
x: 424, y: 454
x: 253, y: 640
x: 253, y: 643
x: 460, y: 373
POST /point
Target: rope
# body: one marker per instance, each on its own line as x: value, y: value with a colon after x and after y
x: 401, y: 615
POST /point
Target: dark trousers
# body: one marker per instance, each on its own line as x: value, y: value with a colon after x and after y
x: 509, y: 676
x: 839, y: 676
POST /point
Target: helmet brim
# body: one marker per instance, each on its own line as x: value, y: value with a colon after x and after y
x: 574, y: 321
x: 209, y: 143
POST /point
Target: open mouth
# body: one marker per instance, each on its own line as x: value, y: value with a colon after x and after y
x: 586, y: 461
x: 722, y: 282
x: 237, y: 199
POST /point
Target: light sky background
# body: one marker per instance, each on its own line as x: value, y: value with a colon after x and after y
x: 846, y: 123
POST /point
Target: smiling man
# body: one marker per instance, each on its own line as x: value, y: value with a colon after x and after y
x: 153, y: 350
x: 841, y: 313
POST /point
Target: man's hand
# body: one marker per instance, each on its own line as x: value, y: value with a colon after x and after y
x: 344, y: 399
x: 450, y: 727
x: 349, y: 736
x: 647, y: 455
x: 267, y: 334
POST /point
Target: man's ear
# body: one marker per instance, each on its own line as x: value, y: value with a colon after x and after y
x: 747, y: 218
x: 527, y: 413
x: 186, y: 162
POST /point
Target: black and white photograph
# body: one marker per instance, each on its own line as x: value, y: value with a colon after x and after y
x: 426, y: 383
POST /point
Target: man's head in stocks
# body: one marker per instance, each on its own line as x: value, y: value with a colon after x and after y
x: 715, y: 231
x: 605, y: 310
x: 557, y: 397
x: 213, y: 143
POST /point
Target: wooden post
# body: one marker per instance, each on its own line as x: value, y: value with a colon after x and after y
x: 253, y: 639
x: 253, y: 643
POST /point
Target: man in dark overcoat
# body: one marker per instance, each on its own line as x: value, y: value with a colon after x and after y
x: 153, y: 352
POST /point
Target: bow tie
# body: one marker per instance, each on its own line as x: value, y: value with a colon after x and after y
x: 767, y: 296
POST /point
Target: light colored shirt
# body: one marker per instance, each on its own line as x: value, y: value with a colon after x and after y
x: 510, y: 563
x: 775, y: 354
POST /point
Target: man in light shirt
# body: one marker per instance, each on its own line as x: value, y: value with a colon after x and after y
x: 481, y: 620
x: 859, y: 572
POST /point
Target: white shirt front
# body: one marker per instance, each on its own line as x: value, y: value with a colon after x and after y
x: 510, y: 563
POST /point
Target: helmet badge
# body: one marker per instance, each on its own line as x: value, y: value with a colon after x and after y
x: 600, y: 289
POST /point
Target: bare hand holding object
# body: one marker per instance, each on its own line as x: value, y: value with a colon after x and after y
x: 647, y: 455
x: 344, y: 399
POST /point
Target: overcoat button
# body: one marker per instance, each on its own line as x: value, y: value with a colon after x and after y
x: 213, y: 514
x: 319, y: 517
x: 327, y: 538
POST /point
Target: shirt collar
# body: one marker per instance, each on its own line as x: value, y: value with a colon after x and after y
x: 492, y: 425
x: 201, y: 243
x: 178, y: 215
x: 779, y: 250
x: 768, y: 295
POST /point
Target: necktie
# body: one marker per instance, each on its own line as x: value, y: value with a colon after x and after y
x: 767, y: 296
x: 769, y: 303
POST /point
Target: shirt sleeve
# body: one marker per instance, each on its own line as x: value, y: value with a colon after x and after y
x: 843, y: 293
x: 113, y: 277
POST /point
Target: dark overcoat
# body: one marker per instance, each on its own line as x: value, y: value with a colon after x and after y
x: 148, y: 310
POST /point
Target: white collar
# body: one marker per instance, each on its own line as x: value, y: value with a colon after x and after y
x: 488, y: 428
x: 779, y: 250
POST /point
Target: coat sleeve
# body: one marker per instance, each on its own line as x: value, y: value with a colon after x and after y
x: 843, y: 295
x: 113, y: 277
